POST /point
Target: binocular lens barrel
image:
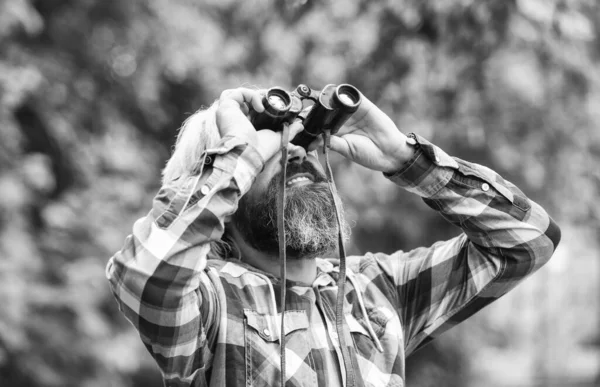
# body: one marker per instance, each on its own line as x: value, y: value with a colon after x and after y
x: 277, y: 102
x: 347, y: 96
x: 331, y: 108
x: 346, y: 99
x: 335, y: 106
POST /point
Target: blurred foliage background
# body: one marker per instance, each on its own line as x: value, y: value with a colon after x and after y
x: 92, y: 94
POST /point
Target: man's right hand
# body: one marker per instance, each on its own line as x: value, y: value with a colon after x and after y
x: 232, y: 120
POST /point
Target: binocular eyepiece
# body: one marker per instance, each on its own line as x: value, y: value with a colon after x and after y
x: 330, y: 109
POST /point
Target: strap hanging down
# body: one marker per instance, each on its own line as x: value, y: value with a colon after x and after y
x: 285, y: 138
x: 339, y: 307
x: 341, y: 283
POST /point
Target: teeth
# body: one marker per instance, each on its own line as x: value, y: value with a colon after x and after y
x: 297, y: 179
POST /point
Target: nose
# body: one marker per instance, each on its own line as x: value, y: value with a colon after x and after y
x: 296, y: 154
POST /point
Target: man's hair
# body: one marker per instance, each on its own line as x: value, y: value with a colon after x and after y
x: 198, y: 133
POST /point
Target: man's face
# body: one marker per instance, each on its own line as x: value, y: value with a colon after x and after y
x: 310, y: 222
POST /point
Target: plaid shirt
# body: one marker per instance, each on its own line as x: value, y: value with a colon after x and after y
x: 215, y: 322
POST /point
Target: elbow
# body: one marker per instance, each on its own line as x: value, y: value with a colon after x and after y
x: 113, y: 275
x: 551, y: 237
x: 553, y: 233
x: 110, y: 272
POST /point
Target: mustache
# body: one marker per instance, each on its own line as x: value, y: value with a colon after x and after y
x: 305, y: 167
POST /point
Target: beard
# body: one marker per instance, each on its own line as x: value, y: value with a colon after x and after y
x: 311, y: 228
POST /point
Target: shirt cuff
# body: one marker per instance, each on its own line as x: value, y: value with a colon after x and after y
x: 428, y: 171
x: 239, y: 159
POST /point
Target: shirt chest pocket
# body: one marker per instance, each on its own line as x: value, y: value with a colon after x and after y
x: 263, y: 360
x: 367, y: 332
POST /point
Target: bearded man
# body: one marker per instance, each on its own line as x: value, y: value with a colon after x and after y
x: 199, y: 276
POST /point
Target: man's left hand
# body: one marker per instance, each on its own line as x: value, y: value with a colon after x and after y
x: 371, y: 139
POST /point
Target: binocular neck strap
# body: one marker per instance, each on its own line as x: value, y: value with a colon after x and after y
x: 285, y: 138
x: 341, y: 282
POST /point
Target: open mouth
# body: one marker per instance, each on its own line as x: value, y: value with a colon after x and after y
x: 299, y: 179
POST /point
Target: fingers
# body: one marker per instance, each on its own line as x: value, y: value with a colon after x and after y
x: 340, y: 145
x: 317, y: 143
x: 245, y: 98
x: 337, y: 144
x: 245, y: 108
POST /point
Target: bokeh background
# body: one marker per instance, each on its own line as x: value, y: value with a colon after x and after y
x: 92, y: 93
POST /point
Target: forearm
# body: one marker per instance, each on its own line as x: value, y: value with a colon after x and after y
x: 493, y: 213
x: 506, y: 237
x: 157, y: 275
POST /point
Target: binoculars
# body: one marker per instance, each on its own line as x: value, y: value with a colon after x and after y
x: 329, y: 110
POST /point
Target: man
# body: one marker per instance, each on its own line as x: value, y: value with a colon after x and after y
x: 199, y: 277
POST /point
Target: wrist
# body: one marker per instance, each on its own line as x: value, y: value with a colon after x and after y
x: 404, y: 152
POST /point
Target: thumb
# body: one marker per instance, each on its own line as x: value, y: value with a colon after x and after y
x: 317, y: 143
x: 230, y: 118
x: 340, y: 145
x: 295, y: 128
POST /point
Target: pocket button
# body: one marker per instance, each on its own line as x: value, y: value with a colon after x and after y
x: 485, y: 187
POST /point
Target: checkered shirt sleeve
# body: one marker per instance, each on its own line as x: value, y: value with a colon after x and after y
x: 158, y: 277
x: 505, y: 238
